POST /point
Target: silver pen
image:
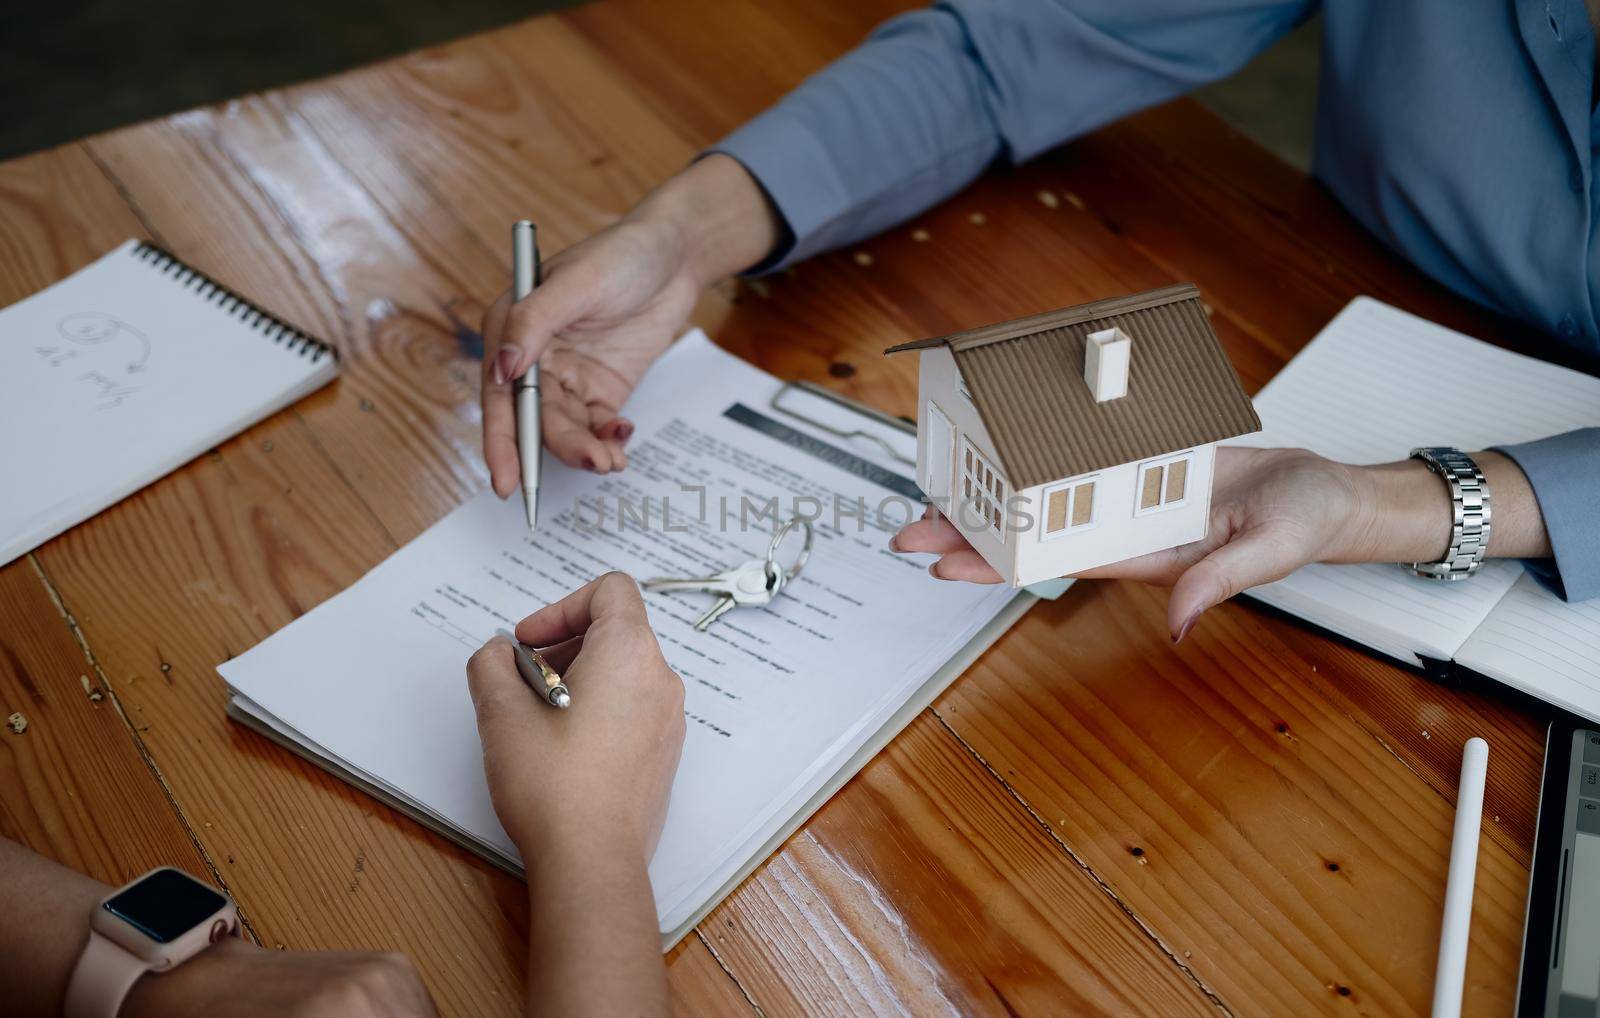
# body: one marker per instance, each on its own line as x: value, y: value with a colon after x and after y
x: 525, y: 275
x: 538, y: 674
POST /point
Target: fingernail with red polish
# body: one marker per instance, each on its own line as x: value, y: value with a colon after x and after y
x: 624, y: 431
x: 1188, y: 624
x: 505, y: 364
x: 894, y: 542
x: 588, y: 463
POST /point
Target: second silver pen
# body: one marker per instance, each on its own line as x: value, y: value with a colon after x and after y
x: 525, y: 273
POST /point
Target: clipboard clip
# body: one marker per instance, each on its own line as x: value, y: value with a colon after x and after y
x: 871, y: 413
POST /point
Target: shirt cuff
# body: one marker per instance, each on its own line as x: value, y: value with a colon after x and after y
x: 793, y: 168
x: 1564, y: 471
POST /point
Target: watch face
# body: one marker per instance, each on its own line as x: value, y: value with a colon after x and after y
x: 166, y: 904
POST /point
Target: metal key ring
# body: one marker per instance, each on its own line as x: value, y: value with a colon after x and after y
x: 805, y: 551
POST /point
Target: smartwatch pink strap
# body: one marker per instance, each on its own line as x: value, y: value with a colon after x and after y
x: 104, y: 975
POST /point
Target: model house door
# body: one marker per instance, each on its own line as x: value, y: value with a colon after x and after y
x: 941, y: 453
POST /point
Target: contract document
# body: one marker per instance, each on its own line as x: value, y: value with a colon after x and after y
x: 784, y: 703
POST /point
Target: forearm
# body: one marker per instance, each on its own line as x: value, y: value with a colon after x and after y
x: 593, y: 943
x: 44, y: 922
x: 717, y: 215
x: 933, y: 96
x: 1406, y: 513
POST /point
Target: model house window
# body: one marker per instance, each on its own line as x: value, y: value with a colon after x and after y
x: 983, y: 492
x: 1069, y: 507
x: 1164, y: 483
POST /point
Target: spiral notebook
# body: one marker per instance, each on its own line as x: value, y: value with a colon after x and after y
x: 124, y: 371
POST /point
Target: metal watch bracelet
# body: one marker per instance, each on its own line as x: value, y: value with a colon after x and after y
x: 1469, y: 514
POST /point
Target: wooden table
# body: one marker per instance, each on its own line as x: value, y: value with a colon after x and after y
x: 1255, y: 822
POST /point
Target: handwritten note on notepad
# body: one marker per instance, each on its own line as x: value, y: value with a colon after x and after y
x: 122, y: 372
x: 779, y: 699
x: 1360, y: 393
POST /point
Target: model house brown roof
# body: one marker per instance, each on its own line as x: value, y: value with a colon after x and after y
x: 1026, y: 380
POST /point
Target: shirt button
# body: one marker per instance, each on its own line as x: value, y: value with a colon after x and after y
x: 1569, y: 327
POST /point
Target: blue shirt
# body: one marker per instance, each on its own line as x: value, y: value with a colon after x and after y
x: 1461, y: 134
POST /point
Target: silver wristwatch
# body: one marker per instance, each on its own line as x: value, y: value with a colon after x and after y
x: 1469, y: 514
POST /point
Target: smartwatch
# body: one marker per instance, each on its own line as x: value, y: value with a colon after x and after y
x: 153, y: 924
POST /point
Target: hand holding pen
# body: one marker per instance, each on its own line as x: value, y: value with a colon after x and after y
x: 583, y: 793
x: 603, y: 766
x: 606, y: 308
x: 593, y: 342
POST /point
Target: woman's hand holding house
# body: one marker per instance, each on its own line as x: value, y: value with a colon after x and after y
x: 1275, y: 510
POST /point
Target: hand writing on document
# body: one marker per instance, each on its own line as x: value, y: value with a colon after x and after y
x: 583, y: 794
x: 605, y: 766
x: 1272, y: 511
x: 608, y: 307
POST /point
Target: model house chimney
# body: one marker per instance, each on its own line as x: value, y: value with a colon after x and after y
x: 1106, y: 356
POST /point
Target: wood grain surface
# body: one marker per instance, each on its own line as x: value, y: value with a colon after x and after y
x: 1089, y: 821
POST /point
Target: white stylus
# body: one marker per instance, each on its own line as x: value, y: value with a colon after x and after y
x: 1452, y: 971
x: 525, y: 273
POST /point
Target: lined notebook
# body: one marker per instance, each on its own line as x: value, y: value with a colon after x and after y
x: 783, y: 703
x: 124, y: 371
x: 1357, y: 393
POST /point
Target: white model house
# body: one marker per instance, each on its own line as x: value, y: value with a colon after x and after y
x: 1080, y: 437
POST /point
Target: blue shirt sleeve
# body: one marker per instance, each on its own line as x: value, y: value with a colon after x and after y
x: 1564, y: 471
x: 921, y: 107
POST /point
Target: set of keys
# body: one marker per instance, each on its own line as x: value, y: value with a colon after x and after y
x: 750, y: 584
